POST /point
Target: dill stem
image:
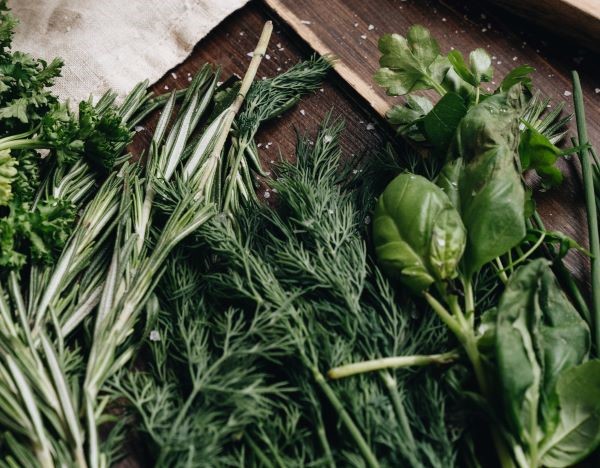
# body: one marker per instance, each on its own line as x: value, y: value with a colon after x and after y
x: 360, y: 441
x: 258, y: 452
x: 325, y: 443
x: 590, y: 201
x: 501, y: 270
x: 393, y: 362
x: 391, y: 386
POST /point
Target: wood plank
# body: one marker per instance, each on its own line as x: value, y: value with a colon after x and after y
x: 349, y: 29
x: 576, y: 19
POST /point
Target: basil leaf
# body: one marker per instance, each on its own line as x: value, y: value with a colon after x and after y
x: 539, y: 335
x: 440, y: 124
x: 538, y: 153
x: 418, y: 235
x: 492, y: 198
x: 411, y: 63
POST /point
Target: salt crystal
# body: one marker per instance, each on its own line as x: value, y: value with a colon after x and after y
x: 174, y: 75
x: 363, y: 36
x: 166, y: 87
x: 444, y: 20
x: 250, y: 54
x: 267, y: 56
x: 302, y: 111
x: 154, y: 335
x: 567, y: 93
x: 483, y: 29
x: 597, y: 90
x: 305, y: 22
x: 499, y: 62
x: 370, y: 126
x: 138, y: 128
x: 327, y: 138
x: 267, y: 195
x: 514, y: 59
x: 371, y: 27
x: 356, y: 25
x: 324, y: 91
x: 242, y: 33
x: 278, y: 68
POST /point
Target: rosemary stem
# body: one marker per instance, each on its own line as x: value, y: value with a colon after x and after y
x: 355, y: 433
x: 391, y: 386
x: 391, y: 363
x: 257, y: 56
x: 588, y: 183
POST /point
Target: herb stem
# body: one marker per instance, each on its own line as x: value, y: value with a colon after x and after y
x: 501, y: 270
x: 360, y: 441
x: 391, y: 385
x: 443, y: 314
x: 393, y: 362
x: 588, y: 183
x: 469, y: 301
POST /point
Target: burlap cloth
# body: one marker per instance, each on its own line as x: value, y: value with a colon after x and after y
x: 114, y: 43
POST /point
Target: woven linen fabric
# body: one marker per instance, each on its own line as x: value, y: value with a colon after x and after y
x: 114, y: 43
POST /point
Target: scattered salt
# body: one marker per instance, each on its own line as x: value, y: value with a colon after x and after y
x: 327, y: 138
x: 514, y: 59
x: 356, y: 25
x: 444, y: 20
x: 250, y: 54
x: 305, y: 22
x: 567, y: 93
x: 242, y: 33
x: 302, y: 111
x: 370, y: 126
x: 154, y: 335
x: 138, y: 128
x: 371, y: 27
x: 267, y: 56
x: 174, y: 75
x: 267, y: 195
x: 166, y: 87
x: 597, y: 90
x: 363, y: 36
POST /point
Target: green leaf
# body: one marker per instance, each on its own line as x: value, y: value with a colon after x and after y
x: 492, y: 197
x: 407, y: 117
x: 538, y: 153
x: 418, y: 235
x: 481, y: 65
x: 441, y: 122
x: 460, y: 67
x: 515, y: 76
x: 8, y: 171
x: 578, y: 432
x: 539, y: 334
x: 411, y: 63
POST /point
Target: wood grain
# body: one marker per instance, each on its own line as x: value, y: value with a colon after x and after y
x: 575, y: 19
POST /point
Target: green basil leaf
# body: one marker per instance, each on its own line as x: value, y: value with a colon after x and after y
x: 411, y: 63
x: 440, y: 124
x: 448, y: 180
x: 418, y: 235
x: 578, y: 432
x: 538, y: 153
x: 539, y: 335
x: 492, y: 197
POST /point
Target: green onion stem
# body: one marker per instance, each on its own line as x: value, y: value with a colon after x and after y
x: 588, y: 183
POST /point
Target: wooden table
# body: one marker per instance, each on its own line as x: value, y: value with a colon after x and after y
x: 350, y: 28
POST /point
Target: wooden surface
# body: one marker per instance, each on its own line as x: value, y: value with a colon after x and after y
x: 350, y: 28
x: 576, y: 19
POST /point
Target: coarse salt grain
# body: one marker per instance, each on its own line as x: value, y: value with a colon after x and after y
x: 267, y: 195
x: 302, y: 111
x: 597, y: 90
x: 154, y: 335
x: 363, y: 36
x: 250, y: 54
x: 371, y: 27
x: 370, y: 126
x: 174, y: 75
x: 305, y: 22
x: 567, y: 93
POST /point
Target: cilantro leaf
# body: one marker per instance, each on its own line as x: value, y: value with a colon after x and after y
x: 408, y: 116
x: 411, y: 63
x: 517, y: 75
x: 479, y: 68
